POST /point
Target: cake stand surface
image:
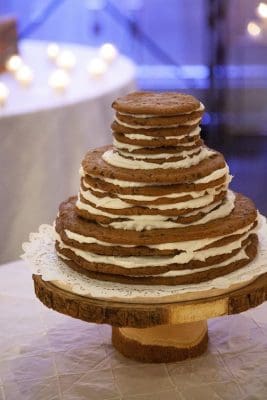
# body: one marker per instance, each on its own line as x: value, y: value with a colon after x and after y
x: 160, y: 332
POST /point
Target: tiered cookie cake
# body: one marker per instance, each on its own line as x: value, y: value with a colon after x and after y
x: 155, y: 208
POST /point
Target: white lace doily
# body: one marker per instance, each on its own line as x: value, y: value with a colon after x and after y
x: 41, y: 256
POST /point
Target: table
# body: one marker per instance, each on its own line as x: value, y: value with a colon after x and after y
x: 46, y: 355
x: 44, y: 136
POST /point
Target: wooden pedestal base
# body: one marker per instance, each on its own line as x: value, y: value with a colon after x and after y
x: 154, y: 332
x: 163, y: 343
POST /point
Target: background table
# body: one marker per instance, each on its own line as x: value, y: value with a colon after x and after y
x: 44, y: 136
x: 48, y: 356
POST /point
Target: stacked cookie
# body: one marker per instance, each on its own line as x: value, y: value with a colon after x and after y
x: 159, y: 134
x: 155, y: 208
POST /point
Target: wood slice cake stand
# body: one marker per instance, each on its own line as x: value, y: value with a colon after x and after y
x: 159, y: 332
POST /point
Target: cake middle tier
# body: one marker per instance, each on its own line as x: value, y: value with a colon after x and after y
x: 164, y: 198
x: 105, y: 162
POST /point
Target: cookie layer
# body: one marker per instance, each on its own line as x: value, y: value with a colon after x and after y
x: 131, y: 119
x: 162, y: 103
x: 177, y: 131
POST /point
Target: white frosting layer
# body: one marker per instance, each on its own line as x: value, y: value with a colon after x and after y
x: 82, y: 172
x: 129, y: 147
x: 200, y: 108
x: 219, y: 173
x: 124, y: 184
x: 105, y: 202
x: 166, y: 156
x: 138, y: 197
x: 138, y: 136
x: 117, y: 204
x: 115, y: 159
x: 132, y: 147
x: 148, y: 222
x: 189, y: 245
x: 241, y: 255
x: 188, y: 123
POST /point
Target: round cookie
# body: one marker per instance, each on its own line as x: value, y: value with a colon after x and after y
x: 175, y: 120
x: 177, y: 131
x: 161, y: 103
x: 156, y: 141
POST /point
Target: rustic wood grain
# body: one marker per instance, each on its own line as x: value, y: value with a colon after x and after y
x: 154, y: 353
x: 148, y: 315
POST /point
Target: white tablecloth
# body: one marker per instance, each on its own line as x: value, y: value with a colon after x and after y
x: 44, y: 136
x: 48, y: 356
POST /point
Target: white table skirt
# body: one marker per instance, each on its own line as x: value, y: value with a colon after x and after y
x: 49, y: 356
x: 44, y: 136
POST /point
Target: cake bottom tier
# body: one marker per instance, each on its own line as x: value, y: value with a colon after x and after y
x: 172, y: 277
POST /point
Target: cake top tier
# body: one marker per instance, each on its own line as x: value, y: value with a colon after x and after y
x: 157, y: 131
x: 153, y: 103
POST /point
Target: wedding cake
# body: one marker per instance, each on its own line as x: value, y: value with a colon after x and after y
x: 155, y: 208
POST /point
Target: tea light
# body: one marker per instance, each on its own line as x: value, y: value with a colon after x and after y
x: 4, y: 93
x: 14, y: 63
x: 96, y: 68
x: 108, y: 52
x: 24, y: 75
x: 59, y: 80
x: 66, y: 59
x: 52, y: 51
x: 253, y: 29
x: 262, y: 10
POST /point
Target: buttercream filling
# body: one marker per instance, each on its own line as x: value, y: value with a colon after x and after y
x: 117, y: 204
x: 148, y: 222
x: 166, y: 156
x: 187, y: 123
x: 124, y: 184
x: 220, y: 212
x: 219, y: 173
x: 139, y: 136
x: 241, y: 255
x: 131, y: 147
x: 138, y: 197
x: 213, y: 176
x: 115, y: 159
